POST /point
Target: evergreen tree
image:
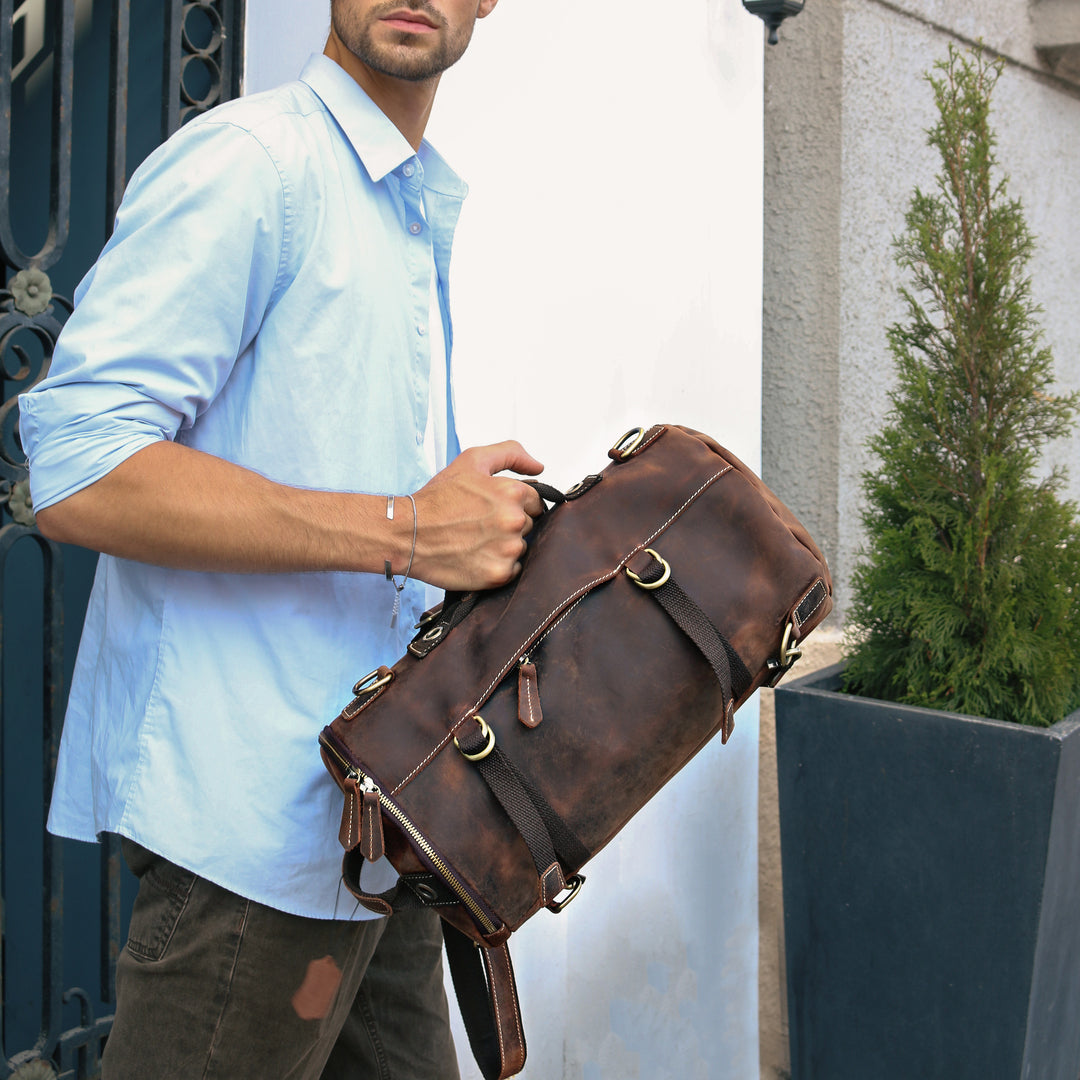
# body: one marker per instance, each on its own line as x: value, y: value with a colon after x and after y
x: 969, y: 595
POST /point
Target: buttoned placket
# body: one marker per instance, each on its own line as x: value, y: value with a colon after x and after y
x: 420, y: 262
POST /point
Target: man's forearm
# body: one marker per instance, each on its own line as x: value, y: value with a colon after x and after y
x: 174, y: 506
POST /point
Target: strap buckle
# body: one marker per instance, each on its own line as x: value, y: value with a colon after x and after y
x: 789, y: 653
x: 627, y: 444
x: 373, y: 681
x: 489, y: 745
x: 573, y: 887
x: 665, y: 574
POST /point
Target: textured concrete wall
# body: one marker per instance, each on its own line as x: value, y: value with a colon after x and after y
x: 846, y: 108
x: 801, y: 324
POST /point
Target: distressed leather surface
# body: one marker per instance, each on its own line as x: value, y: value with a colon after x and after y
x: 627, y: 698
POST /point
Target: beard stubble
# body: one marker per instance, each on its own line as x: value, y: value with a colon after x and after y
x: 404, y: 57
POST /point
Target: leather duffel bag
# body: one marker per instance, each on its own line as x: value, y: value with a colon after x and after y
x: 526, y: 725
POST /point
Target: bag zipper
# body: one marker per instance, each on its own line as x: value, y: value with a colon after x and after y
x: 366, y: 783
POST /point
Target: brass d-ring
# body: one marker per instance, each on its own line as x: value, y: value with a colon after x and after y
x: 573, y: 887
x: 788, y: 656
x: 488, y: 746
x: 628, y: 443
x: 661, y: 580
x: 372, y: 681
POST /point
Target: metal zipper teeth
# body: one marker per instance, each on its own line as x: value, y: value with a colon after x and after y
x: 422, y: 842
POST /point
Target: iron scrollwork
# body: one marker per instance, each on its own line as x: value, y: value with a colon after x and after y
x: 201, y: 68
x: 202, y: 58
x: 27, y: 308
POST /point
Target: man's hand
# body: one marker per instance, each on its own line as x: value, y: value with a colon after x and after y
x: 472, y: 524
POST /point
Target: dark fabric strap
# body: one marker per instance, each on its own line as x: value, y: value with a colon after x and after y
x: 548, y: 837
x: 732, y: 674
x: 432, y: 630
x: 546, y: 492
x: 573, y: 854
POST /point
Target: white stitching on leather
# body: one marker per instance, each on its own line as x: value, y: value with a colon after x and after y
x: 517, y: 1013
x: 495, y: 1006
x: 660, y: 429
x: 529, y: 702
x: 712, y: 479
x: 371, y: 823
x: 346, y: 715
x: 575, y: 597
x: 809, y: 614
x: 543, y: 882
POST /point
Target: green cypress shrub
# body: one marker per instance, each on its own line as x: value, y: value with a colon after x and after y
x: 968, y: 595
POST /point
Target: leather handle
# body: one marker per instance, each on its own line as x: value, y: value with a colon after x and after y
x: 487, y: 995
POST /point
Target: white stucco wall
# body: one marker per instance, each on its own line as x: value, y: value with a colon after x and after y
x: 607, y: 274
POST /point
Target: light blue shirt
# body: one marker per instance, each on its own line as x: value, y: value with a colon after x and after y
x: 265, y: 298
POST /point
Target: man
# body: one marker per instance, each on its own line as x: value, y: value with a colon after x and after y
x: 265, y: 338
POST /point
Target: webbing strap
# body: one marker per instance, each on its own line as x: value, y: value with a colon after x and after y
x: 547, y: 836
x: 727, y: 665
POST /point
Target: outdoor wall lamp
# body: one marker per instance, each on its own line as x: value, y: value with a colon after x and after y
x: 773, y: 13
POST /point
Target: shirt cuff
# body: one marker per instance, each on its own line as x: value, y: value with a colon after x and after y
x: 74, y: 456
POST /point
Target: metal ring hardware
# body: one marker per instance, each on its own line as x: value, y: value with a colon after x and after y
x: 573, y: 884
x: 425, y: 892
x: 788, y: 656
x: 628, y: 443
x: 372, y: 682
x: 488, y: 746
x: 650, y: 585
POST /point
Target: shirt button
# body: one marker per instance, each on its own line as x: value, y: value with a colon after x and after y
x: 421, y: 329
x: 415, y: 228
x: 408, y: 169
x: 419, y: 438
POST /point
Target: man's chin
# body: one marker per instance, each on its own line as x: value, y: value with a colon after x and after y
x: 406, y: 62
x: 406, y: 73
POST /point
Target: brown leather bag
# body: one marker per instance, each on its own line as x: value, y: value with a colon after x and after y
x: 528, y: 724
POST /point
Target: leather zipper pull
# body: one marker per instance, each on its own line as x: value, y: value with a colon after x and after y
x: 349, y: 834
x: 373, y: 846
x: 529, y: 711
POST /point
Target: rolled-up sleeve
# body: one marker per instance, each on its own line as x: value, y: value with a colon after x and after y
x: 178, y: 293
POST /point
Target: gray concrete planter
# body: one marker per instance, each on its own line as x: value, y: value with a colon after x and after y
x: 931, y: 868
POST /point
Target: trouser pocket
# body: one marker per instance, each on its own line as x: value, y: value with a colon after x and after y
x: 164, y: 890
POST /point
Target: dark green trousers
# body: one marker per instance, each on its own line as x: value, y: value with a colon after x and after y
x: 211, y: 986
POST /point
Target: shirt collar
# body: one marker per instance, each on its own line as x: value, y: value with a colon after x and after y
x: 378, y: 143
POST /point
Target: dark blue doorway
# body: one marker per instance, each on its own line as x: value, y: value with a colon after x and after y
x: 87, y: 89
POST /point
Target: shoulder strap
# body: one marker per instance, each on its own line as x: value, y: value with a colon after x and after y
x: 487, y: 995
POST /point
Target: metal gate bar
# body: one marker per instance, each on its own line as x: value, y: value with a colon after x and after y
x: 74, y: 1054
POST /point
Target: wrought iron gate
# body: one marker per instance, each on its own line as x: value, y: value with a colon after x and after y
x: 79, y: 85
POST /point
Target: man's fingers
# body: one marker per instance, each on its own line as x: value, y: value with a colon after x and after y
x: 506, y: 455
x: 533, y: 505
x: 473, y: 521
